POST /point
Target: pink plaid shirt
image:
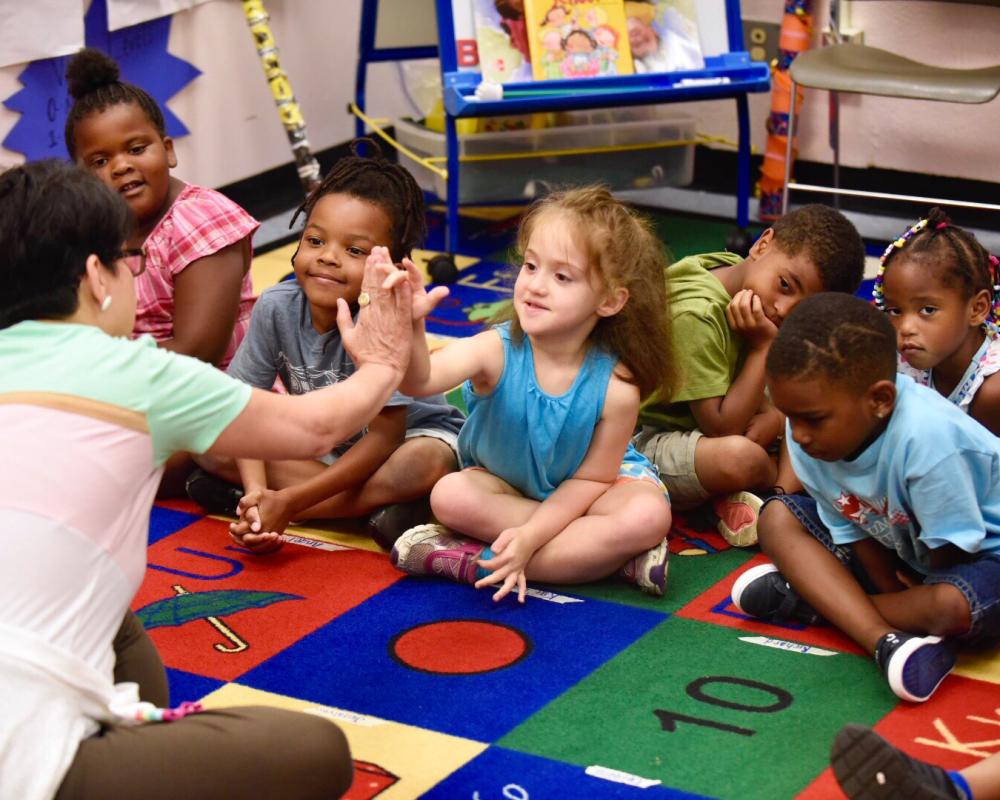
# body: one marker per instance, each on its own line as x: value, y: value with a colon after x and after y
x: 199, y: 223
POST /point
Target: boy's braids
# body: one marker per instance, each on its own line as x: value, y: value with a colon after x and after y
x: 836, y: 336
x: 380, y: 182
x: 828, y: 239
x: 95, y: 84
x: 954, y: 254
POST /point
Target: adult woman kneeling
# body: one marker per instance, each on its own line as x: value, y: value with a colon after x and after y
x: 89, y: 417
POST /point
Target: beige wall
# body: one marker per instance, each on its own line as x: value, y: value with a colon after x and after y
x: 936, y: 138
x: 236, y: 132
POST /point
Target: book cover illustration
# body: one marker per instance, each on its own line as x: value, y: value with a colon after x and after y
x: 663, y: 35
x: 466, y: 48
x: 578, y: 38
x: 502, y: 37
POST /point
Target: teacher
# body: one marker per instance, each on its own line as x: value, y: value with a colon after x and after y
x: 88, y: 419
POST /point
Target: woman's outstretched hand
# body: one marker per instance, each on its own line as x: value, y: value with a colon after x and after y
x: 384, y: 329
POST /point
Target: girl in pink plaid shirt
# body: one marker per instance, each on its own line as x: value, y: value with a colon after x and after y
x: 195, y: 296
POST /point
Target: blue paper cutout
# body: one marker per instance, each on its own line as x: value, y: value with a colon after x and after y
x: 141, y: 52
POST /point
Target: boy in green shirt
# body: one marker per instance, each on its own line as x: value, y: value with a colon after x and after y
x: 711, y: 439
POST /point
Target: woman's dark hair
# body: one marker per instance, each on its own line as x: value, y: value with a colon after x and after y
x: 52, y: 216
x: 381, y: 182
x: 95, y: 84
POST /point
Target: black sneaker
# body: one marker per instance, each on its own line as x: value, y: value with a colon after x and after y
x: 764, y: 593
x: 914, y: 665
x: 867, y: 767
x: 213, y: 494
x: 387, y: 524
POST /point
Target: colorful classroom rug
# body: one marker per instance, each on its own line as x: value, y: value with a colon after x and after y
x: 593, y: 691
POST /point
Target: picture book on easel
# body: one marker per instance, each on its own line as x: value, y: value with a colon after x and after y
x: 663, y: 35
x: 466, y: 47
x: 577, y: 38
x: 502, y: 40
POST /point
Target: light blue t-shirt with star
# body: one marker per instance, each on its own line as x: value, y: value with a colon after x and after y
x: 932, y: 478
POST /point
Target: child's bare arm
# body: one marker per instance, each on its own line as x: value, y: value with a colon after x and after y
x: 766, y: 425
x: 730, y: 414
x: 479, y: 357
x: 253, y: 474
x: 985, y: 408
x: 207, y: 302
x: 266, y: 513
x: 247, y: 531
x: 385, y: 433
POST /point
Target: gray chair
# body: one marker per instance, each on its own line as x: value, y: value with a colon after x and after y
x: 846, y: 67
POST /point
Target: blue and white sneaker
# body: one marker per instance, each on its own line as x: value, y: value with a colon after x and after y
x: 764, y: 593
x: 914, y: 665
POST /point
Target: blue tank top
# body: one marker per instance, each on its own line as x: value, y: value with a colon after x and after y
x: 529, y: 438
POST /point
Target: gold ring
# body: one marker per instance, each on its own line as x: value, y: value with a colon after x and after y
x: 363, y: 299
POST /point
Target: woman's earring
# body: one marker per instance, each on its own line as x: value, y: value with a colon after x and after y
x: 106, y: 302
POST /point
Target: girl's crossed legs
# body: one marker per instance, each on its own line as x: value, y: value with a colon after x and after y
x: 632, y: 516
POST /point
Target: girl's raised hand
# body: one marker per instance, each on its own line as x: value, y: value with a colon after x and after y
x: 424, y: 302
x: 511, y: 553
x: 384, y: 329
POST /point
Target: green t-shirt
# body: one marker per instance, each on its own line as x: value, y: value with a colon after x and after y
x: 185, y: 403
x: 707, y: 350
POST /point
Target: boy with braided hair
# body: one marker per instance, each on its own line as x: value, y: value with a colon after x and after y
x: 390, y: 467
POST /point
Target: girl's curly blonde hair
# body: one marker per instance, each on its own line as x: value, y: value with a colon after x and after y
x: 623, y: 252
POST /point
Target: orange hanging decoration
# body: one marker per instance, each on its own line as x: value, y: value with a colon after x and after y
x: 796, y: 34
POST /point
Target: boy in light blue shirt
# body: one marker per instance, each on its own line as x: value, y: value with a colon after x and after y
x: 898, y: 544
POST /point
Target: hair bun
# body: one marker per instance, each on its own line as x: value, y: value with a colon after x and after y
x: 89, y: 70
x: 937, y: 217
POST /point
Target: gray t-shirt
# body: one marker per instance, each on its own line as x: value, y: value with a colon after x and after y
x: 282, y: 343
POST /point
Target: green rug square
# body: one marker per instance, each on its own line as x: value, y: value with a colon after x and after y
x: 694, y: 706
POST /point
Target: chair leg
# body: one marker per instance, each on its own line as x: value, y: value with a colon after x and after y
x: 452, y: 223
x: 788, y: 149
x: 743, y: 163
x: 835, y: 143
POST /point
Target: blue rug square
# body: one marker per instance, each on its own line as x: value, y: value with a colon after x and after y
x: 165, y: 521
x: 442, y: 656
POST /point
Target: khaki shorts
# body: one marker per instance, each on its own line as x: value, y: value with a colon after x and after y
x: 673, y: 454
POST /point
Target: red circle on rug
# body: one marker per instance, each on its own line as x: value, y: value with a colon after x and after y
x: 460, y: 647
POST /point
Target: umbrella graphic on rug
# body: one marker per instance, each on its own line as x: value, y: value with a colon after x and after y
x: 210, y: 606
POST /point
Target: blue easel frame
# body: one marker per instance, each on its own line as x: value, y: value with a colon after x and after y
x: 731, y: 74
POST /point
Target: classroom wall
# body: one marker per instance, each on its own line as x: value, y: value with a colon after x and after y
x: 236, y: 132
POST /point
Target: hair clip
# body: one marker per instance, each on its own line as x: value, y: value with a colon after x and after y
x: 878, y: 290
x: 992, y: 322
x: 941, y: 226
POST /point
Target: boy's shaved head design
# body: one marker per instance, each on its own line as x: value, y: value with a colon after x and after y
x: 836, y: 337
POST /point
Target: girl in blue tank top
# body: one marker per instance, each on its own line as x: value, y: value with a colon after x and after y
x: 551, y: 489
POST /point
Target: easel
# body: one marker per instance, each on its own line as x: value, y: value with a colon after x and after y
x: 727, y: 74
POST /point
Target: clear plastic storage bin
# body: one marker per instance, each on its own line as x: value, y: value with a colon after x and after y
x: 652, y: 162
